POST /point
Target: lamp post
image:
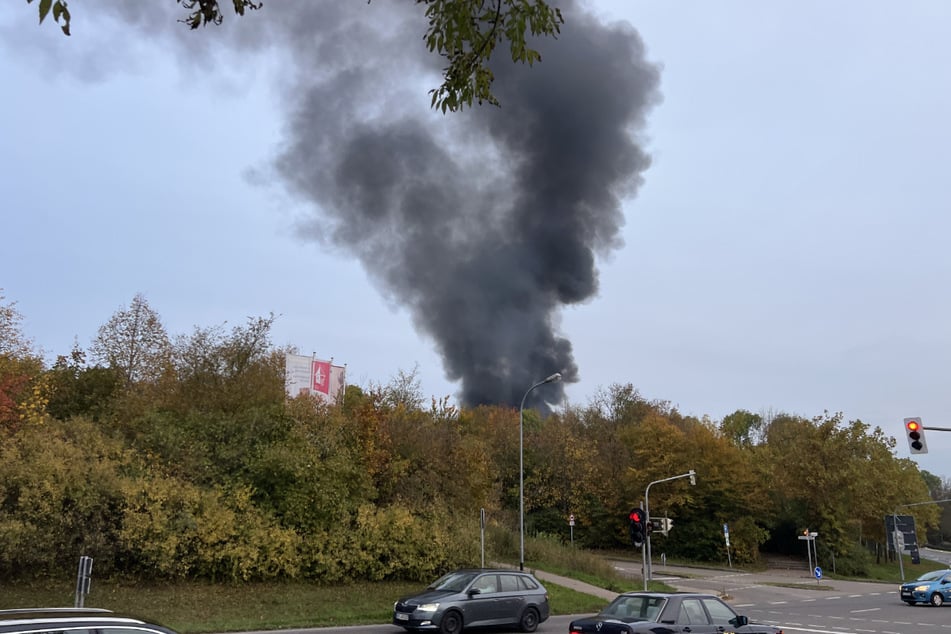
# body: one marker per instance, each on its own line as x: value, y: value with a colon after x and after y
x: 646, y: 548
x: 521, y: 469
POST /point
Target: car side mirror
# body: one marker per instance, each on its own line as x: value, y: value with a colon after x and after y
x: 473, y: 591
x: 739, y: 621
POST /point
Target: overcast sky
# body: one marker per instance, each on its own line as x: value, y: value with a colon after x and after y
x: 785, y: 252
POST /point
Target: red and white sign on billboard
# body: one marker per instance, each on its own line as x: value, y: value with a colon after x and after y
x: 321, y: 377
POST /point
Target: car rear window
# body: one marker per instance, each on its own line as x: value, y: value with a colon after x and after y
x: 527, y: 583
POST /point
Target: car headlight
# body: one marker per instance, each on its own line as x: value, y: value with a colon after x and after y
x: 428, y: 607
x: 921, y: 588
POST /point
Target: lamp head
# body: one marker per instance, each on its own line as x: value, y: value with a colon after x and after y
x: 553, y: 378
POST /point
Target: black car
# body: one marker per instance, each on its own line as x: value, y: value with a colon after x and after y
x: 475, y: 598
x: 74, y: 621
x: 668, y: 613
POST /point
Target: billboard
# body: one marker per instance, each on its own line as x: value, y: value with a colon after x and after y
x: 313, y: 377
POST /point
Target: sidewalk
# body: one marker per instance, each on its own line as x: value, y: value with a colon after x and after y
x: 574, y: 584
x: 690, y: 578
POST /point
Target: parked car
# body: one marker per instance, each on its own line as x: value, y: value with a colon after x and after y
x: 932, y: 587
x: 77, y: 620
x: 667, y: 613
x: 475, y: 598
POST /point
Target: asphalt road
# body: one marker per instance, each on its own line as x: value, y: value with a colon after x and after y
x: 798, y: 602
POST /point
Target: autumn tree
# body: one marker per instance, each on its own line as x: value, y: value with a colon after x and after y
x: 842, y: 482
x: 24, y: 391
x: 466, y: 33
x: 13, y: 342
x: 134, y: 343
x: 228, y: 371
x: 743, y: 428
x: 79, y: 389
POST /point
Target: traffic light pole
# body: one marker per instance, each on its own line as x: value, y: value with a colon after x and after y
x: 646, y: 549
x: 896, y: 531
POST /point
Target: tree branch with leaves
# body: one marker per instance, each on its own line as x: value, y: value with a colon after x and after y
x: 464, y: 32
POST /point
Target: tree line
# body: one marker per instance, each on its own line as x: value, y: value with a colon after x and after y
x: 182, y: 457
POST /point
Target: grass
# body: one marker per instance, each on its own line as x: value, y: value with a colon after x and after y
x: 201, y: 608
x: 195, y: 608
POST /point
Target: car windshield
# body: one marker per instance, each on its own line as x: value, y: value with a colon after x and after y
x: 931, y: 576
x: 453, y: 582
x: 645, y: 608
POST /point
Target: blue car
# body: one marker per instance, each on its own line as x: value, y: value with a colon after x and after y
x: 932, y: 587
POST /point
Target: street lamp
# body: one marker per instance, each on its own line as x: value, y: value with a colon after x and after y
x: 521, y: 470
x: 646, y: 548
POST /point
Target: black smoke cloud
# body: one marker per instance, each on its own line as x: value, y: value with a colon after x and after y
x: 482, y: 224
x: 485, y: 226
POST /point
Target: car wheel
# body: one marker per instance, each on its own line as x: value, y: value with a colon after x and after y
x: 451, y: 623
x: 529, y: 620
x: 937, y: 599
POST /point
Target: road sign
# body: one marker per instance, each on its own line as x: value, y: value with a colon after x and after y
x: 571, y: 520
x: 818, y: 573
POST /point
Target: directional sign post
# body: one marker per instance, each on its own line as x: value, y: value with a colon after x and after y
x: 726, y: 537
x: 482, y: 533
x: 818, y: 573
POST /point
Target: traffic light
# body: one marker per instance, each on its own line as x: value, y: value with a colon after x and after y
x: 667, y: 524
x: 916, y: 435
x: 636, y: 516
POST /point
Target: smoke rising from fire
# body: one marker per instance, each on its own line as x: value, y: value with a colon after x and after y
x: 485, y: 225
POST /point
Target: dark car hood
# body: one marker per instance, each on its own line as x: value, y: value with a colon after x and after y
x: 429, y: 596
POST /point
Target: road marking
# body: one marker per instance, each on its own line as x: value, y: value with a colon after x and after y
x: 865, y: 610
x: 791, y: 628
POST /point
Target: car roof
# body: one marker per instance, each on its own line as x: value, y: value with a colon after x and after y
x: 45, y: 619
x: 636, y: 593
x: 493, y: 570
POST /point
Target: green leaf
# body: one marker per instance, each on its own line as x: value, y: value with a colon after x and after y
x: 45, y: 6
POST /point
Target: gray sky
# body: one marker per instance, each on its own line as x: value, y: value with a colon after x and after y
x: 784, y: 252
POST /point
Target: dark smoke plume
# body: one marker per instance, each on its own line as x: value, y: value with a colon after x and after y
x: 483, y: 224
